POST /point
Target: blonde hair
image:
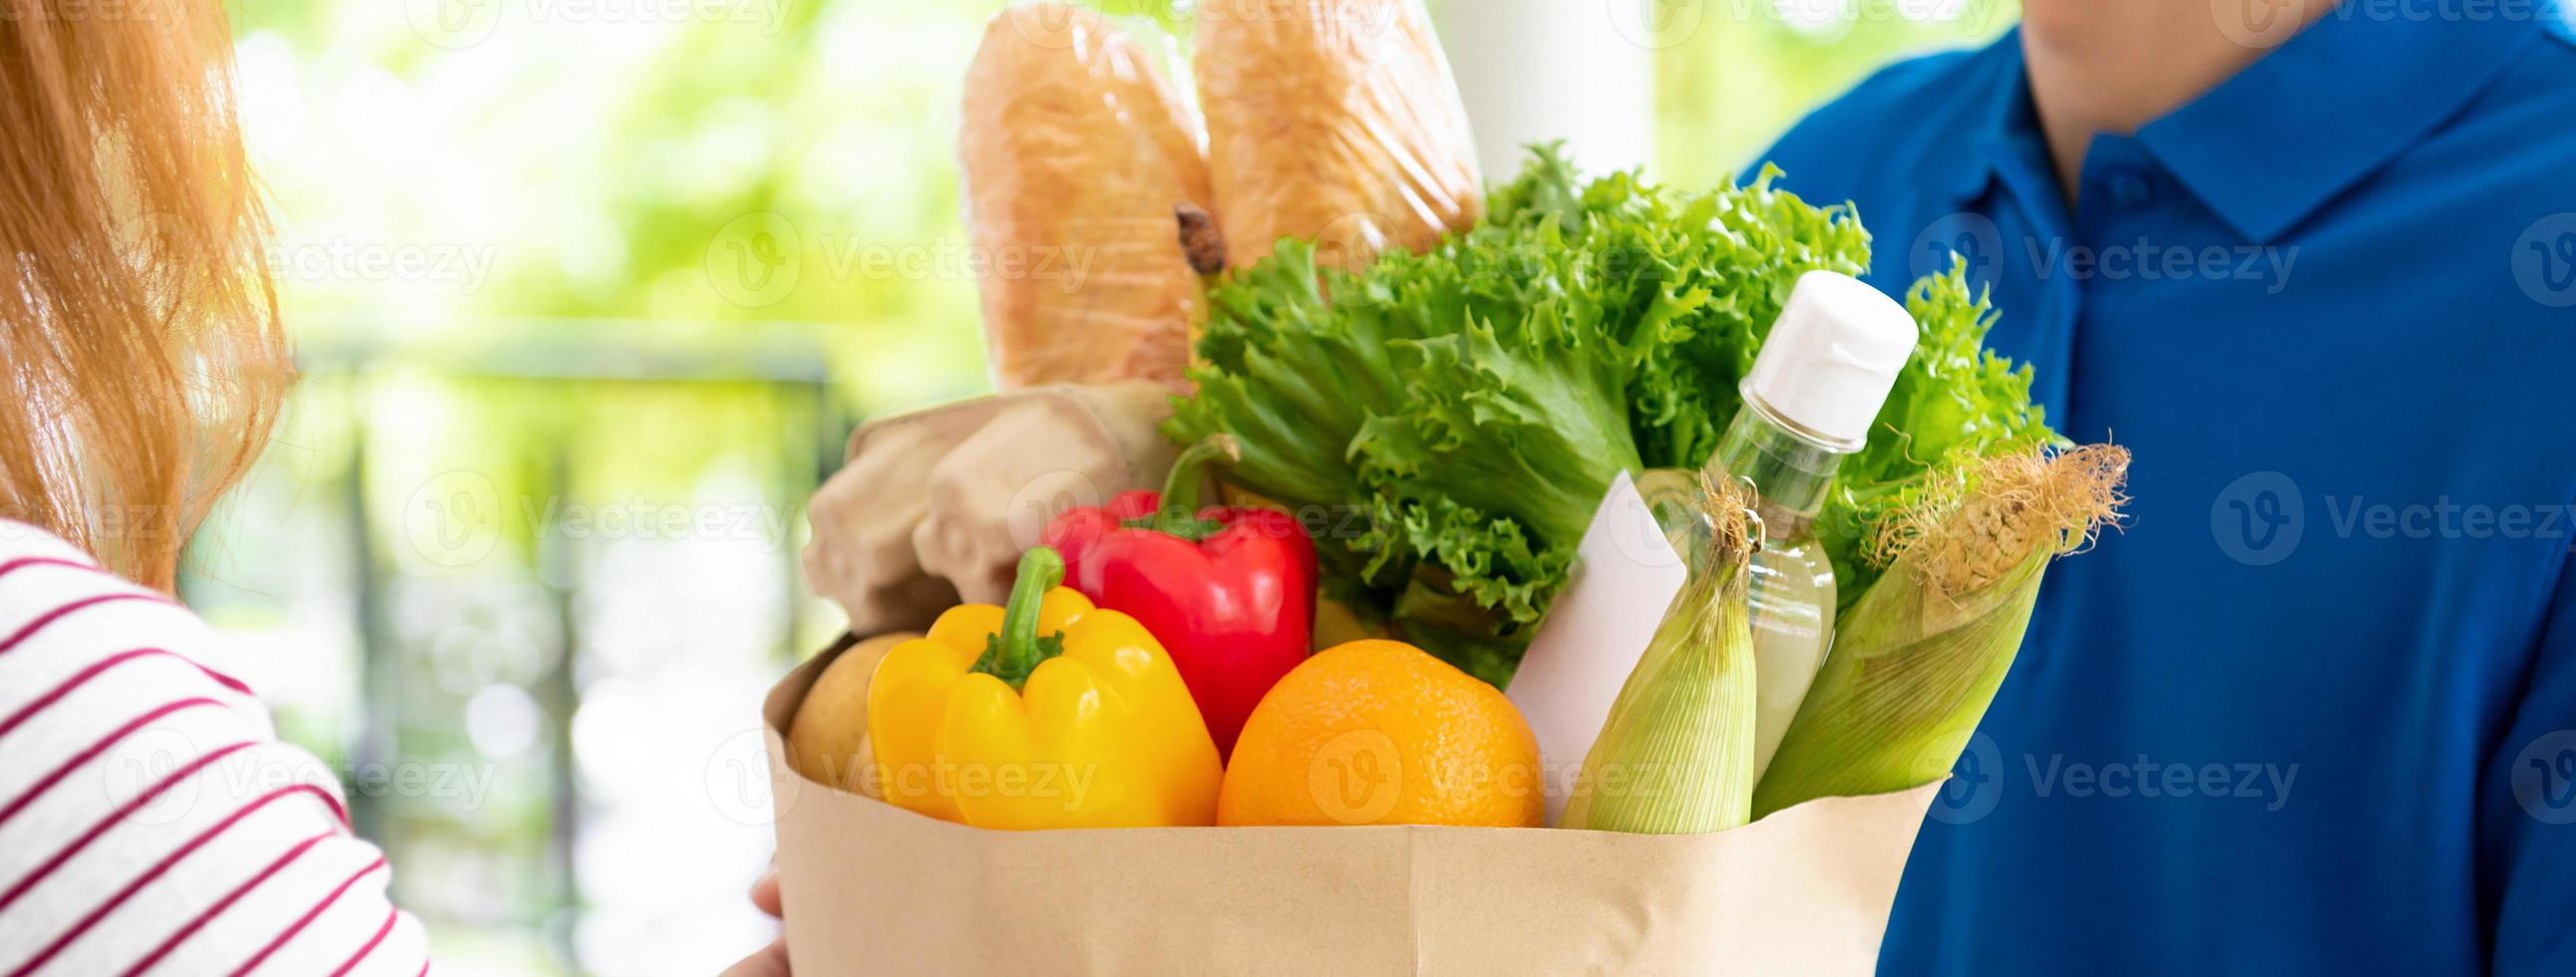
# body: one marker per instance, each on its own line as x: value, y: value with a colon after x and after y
x: 141, y: 359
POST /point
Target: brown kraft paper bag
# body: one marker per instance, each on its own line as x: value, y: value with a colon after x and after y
x: 874, y: 889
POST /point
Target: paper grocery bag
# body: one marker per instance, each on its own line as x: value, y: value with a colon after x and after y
x: 936, y: 505
x: 874, y: 889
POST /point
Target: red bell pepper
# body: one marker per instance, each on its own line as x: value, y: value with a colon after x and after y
x: 1229, y: 590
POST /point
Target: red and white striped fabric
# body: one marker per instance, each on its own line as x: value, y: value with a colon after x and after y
x: 150, y: 821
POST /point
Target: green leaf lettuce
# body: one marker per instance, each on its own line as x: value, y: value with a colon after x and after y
x: 1446, y: 422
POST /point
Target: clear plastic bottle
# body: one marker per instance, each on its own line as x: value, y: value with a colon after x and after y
x: 1809, y: 400
x: 1792, y: 592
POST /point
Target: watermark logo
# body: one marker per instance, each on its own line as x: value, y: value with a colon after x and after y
x: 1040, y: 500
x: 2257, y: 519
x: 460, y: 24
x: 1657, y: 24
x: 758, y: 259
x: 1665, y: 24
x: 1347, y: 18
x: 1976, y: 781
x: 1980, y: 775
x: 1974, y: 243
x: 1350, y: 241
x: 149, y: 764
x: 1823, y: 20
x: 1027, y: 786
x: 754, y: 260
x: 1356, y: 777
x: 2445, y: 518
x: 2259, y: 24
x: 2264, y: 24
x: 169, y: 774
x: 1941, y: 11
x: 453, y: 519
x: 1970, y: 240
x: 2544, y: 778
x: 453, y: 24
x: 165, y: 15
x: 738, y: 783
x: 1046, y: 25
x: 2260, y: 519
x: 2147, y: 777
x: 640, y: 518
x: 2544, y: 260
x: 2146, y: 260
x: 342, y: 259
x: 1634, y: 523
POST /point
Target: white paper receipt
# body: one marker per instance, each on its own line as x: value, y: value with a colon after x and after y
x: 1624, y: 576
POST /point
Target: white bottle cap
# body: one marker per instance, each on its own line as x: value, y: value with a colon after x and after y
x: 1830, y: 359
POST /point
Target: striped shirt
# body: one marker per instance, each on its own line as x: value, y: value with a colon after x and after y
x: 150, y: 820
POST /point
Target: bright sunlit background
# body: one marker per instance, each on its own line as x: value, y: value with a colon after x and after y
x: 588, y: 294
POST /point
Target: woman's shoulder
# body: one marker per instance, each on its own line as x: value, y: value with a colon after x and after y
x: 101, y: 683
x: 68, y: 626
x: 148, y: 813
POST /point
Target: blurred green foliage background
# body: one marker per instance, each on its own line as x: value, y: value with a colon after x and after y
x: 588, y: 292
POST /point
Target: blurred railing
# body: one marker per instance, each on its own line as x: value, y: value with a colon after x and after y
x: 526, y: 594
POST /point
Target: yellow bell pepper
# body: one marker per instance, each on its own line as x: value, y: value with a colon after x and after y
x: 1049, y: 713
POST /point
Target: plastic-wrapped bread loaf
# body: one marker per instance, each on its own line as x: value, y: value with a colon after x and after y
x: 1335, y: 121
x: 1075, y: 154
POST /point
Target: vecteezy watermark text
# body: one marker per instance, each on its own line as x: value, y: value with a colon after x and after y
x: 2445, y: 519
x: 758, y: 259
x: 340, y: 259
x: 2147, y: 777
x: 2145, y: 260
x: 640, y: 518
x: 1974, y: 241
x: 1979, y: 779
x: 2260, y: 518
x: 466, y: 23
x: 171, y: 769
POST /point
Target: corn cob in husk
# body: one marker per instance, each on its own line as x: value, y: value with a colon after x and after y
x: 1918, y: 658
x: 1676, y: 754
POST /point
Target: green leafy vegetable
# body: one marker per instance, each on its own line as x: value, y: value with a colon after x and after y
x: 1955, y: 402
x: 1449, y: 420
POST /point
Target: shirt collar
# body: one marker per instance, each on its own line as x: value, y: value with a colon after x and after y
x: 2007, y: 124
x: 2330, y: 106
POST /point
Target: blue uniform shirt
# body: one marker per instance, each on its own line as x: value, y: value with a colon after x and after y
x: 2314, y: 710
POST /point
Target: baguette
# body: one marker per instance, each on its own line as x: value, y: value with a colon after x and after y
x: 1075, y: 154
x: 1335, y: 121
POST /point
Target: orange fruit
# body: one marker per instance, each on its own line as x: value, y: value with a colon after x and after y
x: 1380, y: 732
